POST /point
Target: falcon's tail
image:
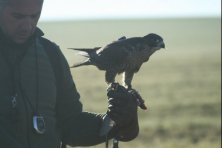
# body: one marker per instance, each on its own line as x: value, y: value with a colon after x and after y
x: 87, y: 62
x: 89, y: 51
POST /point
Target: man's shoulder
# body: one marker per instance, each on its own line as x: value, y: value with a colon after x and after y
x: 48, y: 45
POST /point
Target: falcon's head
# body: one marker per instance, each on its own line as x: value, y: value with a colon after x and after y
x: 154, y: 41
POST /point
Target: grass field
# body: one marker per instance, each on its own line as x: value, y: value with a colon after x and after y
x: 181, y: 84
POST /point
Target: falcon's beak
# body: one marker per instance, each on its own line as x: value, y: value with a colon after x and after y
x: 162, y: 45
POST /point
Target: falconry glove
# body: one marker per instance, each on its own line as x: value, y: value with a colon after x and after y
x: 122, y: 109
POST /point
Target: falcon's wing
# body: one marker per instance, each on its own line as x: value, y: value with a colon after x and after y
x: 113, y: 54
x: 117, y: 53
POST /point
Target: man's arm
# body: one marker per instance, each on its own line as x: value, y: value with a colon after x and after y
x: 80, y: 128
x: 72, y: 122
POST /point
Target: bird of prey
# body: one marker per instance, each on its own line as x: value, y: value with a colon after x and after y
x: 126, y: 55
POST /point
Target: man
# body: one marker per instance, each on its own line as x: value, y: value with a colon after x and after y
x: 39, y: 103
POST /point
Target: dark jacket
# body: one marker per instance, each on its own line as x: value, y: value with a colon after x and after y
x: 29, y: 86
x: 26, y: 73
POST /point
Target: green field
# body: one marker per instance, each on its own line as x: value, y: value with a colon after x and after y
x: 181, y: 84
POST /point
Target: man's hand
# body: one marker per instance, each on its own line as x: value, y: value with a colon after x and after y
x: 122, y: 106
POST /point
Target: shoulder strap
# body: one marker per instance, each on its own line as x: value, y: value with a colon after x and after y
x: 51, y: 50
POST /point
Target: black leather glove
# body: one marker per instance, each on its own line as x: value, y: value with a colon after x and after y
x: 122, y: 106
x: 123, y: 110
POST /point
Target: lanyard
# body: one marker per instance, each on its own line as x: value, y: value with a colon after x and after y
x: 37, y: 120
x: 34, y: 108
x: 13, y: 62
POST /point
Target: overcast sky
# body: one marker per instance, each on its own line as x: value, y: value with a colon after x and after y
x: 112, y: 9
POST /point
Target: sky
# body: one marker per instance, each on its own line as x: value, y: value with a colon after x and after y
x: 120, y: 9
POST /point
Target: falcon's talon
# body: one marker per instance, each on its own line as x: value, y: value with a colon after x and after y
x: 139, y: 100
x: 112, y: 87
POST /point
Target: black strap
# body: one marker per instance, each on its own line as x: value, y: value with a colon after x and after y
x: 53, y: 53
x: 115, y: 143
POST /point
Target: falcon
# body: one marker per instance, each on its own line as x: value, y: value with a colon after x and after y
x: 124, y: 56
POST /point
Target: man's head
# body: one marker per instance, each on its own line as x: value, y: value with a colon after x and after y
x: 18, y: 18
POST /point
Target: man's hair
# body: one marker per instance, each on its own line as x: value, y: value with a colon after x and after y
x: 3, y: 3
